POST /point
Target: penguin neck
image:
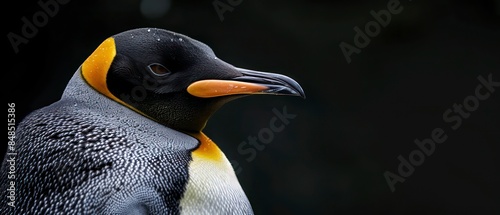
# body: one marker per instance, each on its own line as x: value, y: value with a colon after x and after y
x: 182, y: 112
x: 78, y: 90
x: 80, y: 93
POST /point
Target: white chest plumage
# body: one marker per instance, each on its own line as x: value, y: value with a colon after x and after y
x: 213, y: 187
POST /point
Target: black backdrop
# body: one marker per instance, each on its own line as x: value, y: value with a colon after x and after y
x: 358, y: 117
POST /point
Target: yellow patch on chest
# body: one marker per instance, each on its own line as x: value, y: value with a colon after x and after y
x: 213, y: 187
x: 207, y: 149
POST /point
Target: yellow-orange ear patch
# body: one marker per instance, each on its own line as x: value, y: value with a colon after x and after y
x: 95, y: 68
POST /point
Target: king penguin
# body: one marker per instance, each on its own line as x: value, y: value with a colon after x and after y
x: 126, y: 136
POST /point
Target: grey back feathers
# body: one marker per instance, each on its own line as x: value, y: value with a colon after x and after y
x: 87, y: 154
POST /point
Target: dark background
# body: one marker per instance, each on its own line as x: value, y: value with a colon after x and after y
x: 357, y: 118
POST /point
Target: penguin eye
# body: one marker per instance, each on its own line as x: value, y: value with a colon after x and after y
x: 158, y: 69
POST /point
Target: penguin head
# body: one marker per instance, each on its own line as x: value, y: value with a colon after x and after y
x: 173, y: 79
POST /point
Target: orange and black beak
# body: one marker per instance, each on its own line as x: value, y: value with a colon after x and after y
x: 250, y: 82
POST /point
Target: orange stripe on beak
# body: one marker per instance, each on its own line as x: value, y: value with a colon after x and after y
x: 215, y: 88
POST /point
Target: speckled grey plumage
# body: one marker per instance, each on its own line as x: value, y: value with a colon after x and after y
x: 87, y: 154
